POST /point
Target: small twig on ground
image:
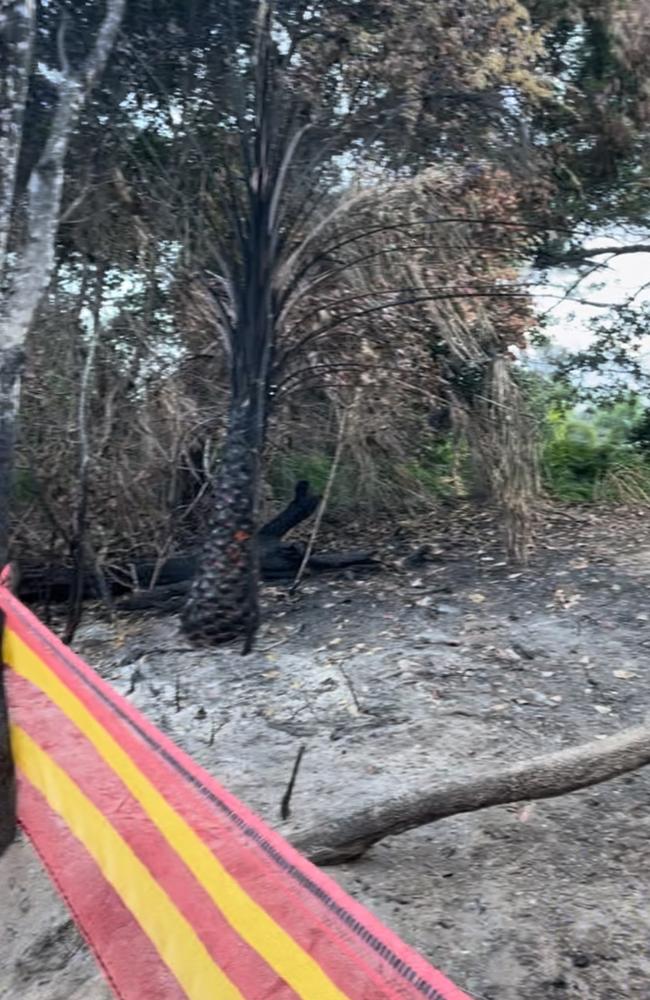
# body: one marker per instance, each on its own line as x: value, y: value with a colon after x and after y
x: 285, y: 810
x: 353, y: 693
x: 555, y: 510
x: 272, y: 645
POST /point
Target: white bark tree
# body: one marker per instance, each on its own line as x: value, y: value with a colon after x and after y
x: 26, y: 265
x: 26, y: 270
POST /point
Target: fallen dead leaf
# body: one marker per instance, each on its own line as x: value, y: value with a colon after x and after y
x: 507, y: 655
x: 565, y: 600
x: 527, y: 812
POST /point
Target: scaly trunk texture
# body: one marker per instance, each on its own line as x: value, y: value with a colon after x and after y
x: 223, y: 600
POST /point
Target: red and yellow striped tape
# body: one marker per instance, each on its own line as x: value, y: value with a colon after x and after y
x: 180, y: 891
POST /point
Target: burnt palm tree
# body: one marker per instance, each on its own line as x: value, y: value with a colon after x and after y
x: 294, y: 123
x: 223, y: 601
x: 277, y: 194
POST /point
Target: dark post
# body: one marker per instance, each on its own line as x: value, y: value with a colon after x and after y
x: 11, y: 363
x: 7, y: 775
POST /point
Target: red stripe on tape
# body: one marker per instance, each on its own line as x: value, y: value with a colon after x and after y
x: 70, y: 749
x: 128, y: 959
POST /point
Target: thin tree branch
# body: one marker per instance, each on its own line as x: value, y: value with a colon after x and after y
x: 582, y: 255
x: 322, y: 507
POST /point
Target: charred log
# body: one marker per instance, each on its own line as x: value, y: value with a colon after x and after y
x: 165, y: 600
x: 282, y: 567
x: 38, y: 584
x: 279, y: 561
x: 302, y: 506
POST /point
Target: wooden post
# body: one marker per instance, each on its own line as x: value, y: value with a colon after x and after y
x: 7, y: 774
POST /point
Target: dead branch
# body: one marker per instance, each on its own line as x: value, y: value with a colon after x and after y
x: 323, y: 504
x: 543, y: 777
x: 285, y: 805
x: 582, y: 255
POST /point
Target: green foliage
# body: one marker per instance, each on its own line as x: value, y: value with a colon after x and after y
x: 593, y: 453
x: 572, y: 459
x: 437, y: 470
x: 640, y: 434
x: 589, y: 453
x: 595, y: 128
x: 615, y: 355
x: 287, y: 468
x: 24, y: 488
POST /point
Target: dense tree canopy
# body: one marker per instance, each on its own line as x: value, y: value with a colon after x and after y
x: 287, y: 201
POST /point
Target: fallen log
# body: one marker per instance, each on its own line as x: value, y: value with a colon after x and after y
x: 170, y: 598
x: 278, y: 564
x: 166, y: 600
x: 52, y: 584
x: 279, y: 561
x: 302, y: 506
x: 544, y: 777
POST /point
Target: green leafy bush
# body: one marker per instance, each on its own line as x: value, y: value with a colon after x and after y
x: 594, y: 453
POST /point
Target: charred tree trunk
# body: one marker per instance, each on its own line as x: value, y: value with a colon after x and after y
x: 223, y: 600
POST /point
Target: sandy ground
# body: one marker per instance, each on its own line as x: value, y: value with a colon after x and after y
x: 394, y: 681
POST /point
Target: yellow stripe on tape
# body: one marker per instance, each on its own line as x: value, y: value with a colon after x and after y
x: 173, y: 937
x: 251, y: 922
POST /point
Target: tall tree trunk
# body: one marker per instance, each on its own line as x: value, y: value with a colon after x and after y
x: 78, y: 540
x: 223, y: 601
x: 26, y: 272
